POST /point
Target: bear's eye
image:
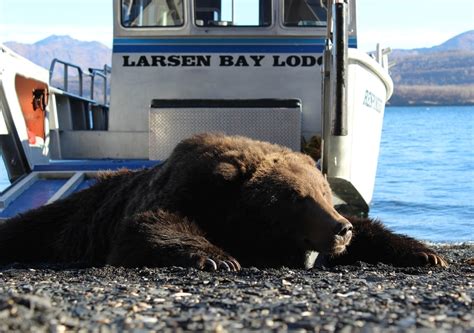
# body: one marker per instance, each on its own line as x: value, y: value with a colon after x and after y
x: 300, y: 199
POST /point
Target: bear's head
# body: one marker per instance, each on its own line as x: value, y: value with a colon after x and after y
x: 293, y: 196
x: 284, y: 201
x: 255, y: 199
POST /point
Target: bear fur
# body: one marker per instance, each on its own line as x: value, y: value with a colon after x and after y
x: 218, y: 202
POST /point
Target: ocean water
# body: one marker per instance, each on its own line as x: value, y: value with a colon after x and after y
x: 425, y: 178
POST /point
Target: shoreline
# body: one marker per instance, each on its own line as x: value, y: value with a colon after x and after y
x: 358, y: 298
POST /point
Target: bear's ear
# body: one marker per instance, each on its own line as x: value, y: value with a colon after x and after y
x: 226, y: 170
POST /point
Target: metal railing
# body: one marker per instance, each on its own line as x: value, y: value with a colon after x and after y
x: 92, y: 74
x: 102, y: 73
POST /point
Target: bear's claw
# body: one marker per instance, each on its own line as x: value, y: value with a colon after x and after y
x: 209, y: 265
x: 431, y: 258
x: 234, y: 265
x: 226, y: 265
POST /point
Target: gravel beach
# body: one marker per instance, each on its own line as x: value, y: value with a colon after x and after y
x: 359, y: 298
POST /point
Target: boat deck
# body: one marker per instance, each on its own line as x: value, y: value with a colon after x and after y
x: 50, y: 182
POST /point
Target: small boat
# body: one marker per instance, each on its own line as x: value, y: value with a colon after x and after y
x: 283, y: 71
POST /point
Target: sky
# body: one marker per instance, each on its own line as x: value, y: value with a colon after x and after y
x: 399, y: 24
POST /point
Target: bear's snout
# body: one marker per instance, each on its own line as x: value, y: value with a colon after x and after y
x: 342, y: 236
x: 343, y: 228
x: 327, y: 232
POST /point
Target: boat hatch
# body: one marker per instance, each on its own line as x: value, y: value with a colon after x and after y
x: 32, y: 96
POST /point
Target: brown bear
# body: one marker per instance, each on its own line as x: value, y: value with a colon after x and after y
x: 218, y: 202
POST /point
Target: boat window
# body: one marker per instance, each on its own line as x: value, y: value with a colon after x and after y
x: 152, y: 13
x: 4, y: 179
x: 232, y: 13
x: 13, y: 163
x: 305, y: 13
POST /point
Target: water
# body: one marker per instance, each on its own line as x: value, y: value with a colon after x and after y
x: 425, y: 179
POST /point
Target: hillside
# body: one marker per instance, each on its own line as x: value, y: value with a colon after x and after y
x: 85, y: 54
x: 440, y: 75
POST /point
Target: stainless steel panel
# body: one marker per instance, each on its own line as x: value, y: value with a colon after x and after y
x: 168, y: 126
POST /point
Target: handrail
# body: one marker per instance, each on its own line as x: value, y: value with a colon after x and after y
x: 66, y: 76
x: 103, y: 74
x: 92, y: 74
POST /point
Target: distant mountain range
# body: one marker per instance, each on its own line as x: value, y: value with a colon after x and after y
x: 84, y: 54
x: 439, y: 75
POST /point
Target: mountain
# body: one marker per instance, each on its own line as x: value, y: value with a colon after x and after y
x: 464, y: 41
x: 85, y: 54
x: 439, y: 75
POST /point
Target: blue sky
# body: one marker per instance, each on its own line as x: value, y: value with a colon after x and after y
x: 394, y: 23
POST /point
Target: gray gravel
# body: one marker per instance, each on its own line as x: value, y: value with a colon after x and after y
x: 359, y: 298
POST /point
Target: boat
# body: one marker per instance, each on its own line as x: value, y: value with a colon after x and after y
x: 283, y: 71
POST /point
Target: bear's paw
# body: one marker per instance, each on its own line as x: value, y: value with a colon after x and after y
x: 430, y: 258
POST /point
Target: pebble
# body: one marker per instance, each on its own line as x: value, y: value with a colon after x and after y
x: 358, y: 298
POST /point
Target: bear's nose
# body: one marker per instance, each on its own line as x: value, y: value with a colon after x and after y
x: 342, y: 229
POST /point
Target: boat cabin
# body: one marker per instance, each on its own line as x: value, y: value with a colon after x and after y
x: 201, y: 58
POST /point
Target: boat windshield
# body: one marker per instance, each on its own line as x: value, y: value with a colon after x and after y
x: 232, y: 13
x: 4, y: 179
x: 311, y: 13
x: 152, y: 13
x: 13, y: 163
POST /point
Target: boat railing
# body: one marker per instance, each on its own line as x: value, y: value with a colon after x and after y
x: 86, y: 112
x: 101, y: 73
x: 92, y: 74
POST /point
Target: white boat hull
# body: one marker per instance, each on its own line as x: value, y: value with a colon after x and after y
x: 350, y: 161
